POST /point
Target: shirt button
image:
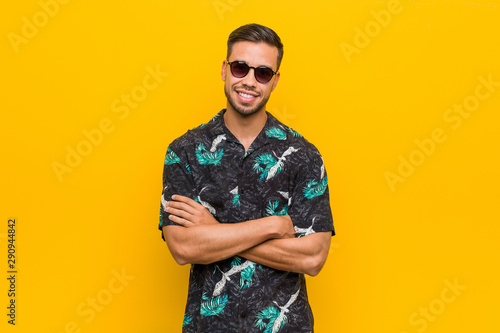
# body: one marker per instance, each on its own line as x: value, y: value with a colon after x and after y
x: 244, y: 314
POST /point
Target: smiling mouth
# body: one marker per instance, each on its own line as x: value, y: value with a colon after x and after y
x: 245, y: 95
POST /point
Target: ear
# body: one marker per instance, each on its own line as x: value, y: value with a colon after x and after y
x: 223, y: 71
x: 276, y: 79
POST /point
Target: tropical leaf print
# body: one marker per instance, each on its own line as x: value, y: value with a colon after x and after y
x: 283, y: 211
x: 212, y: 156
x: 294, y: 133
x: 212, y: 306
x: 249, y: 151
x: 271, y: 320
x: 246, y: 276
x: 236, y: 261
x: 236, y: 200
x: 314, y: 189
x: 273, y: 205
x: 171, y: 157
x: 281, y: 321
x: 275, y: 132
x: 227, y: 276
x: 206, y: 157
x: 268, y: 166
x: 214, y: 118
x: 210, y: 121
x: 266, y: 319
x: 188, y: 168
x: 263, y: 163
x: 187, y: 320
x: 236, y: 196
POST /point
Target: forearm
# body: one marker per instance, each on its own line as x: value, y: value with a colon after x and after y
x: 302, y: 255
x: 207, y: 243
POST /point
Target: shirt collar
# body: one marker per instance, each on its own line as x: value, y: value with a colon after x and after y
x: 216, y: 126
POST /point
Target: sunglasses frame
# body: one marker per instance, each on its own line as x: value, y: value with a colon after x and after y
x: 249, y: 67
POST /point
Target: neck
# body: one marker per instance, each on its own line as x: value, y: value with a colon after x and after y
x: 245, y: 128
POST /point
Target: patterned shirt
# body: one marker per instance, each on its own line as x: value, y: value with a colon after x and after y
x: 281, y: 173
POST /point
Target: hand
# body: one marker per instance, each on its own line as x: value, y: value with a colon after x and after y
x: 187, y: 212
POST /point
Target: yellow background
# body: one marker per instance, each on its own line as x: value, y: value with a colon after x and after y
x: 398, y: 247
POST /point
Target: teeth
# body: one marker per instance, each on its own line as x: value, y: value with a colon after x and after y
x: 245, y: 95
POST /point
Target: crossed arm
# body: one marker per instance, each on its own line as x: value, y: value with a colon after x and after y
x: 270, y: 241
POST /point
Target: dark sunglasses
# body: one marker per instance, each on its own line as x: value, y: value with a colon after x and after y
x: 240, y: 69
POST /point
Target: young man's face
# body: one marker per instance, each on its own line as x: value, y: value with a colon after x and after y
x: 246, y: 95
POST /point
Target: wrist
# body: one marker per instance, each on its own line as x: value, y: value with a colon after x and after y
x: 270, y: 227
x: 278, y: 225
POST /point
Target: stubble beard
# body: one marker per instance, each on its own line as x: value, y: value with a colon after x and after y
x: 242, y: 110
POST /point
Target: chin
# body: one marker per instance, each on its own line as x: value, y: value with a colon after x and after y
x: 245, y: 110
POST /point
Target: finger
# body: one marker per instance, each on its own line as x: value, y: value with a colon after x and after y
x: 182, y: 206
x: 180, y: 220
x: 179, y: 212
x: 186, y: 200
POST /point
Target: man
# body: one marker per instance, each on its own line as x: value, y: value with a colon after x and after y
x: 245, y: 202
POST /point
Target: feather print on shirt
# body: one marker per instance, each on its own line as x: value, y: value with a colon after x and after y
x: 226, y: 276
x: 271, y: 320
x: 286, y: 196
x: 273, y: 205
x: 236, y: 196
x: 205, y: 204
x: 314, y: 188
x: 163, y: 201
x: 212, y: 156
x: 268, y: 166
x: 305, y: 231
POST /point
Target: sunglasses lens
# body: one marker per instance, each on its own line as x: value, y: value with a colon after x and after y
x: 239, y: 69
x: 263, y: 74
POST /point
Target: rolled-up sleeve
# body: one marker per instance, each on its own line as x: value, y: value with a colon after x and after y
x: 310, y: 208
x: 177, y: 179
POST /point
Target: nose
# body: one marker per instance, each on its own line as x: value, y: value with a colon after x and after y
x: 249, y: 79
